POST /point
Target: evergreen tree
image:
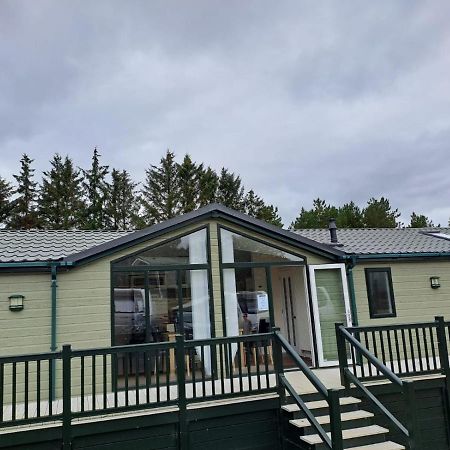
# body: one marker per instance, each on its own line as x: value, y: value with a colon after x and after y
x: 350, y: 216
x: 122, y: 205
x: 24, y: 214
x: 317, y: 217
x: 161, y: 190
x: 60, y: 203
x: 96, y: 191
x: 230, y: 190
x: 379, y: 214
x: 254, y: 206
x: 189, y: 175
x: 208, y: 186
x: 269, y: 213
x: 6, y: 191
x: 420, y: 221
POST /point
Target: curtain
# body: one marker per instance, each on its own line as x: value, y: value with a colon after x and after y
x: 201, y: 321
x: 229, y: 288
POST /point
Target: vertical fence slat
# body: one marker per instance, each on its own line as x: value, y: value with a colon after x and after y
x: 82, y: 383
x: 38, y: 388
x: 26, y: 398
x: 105, y: 383
x: 2, y: 388
x: 50, y: 387
x: 93, y: 381
x: 167, y: 361
x: 222, y: 374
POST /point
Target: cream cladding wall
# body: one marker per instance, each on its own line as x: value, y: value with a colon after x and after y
x: 414, y: 299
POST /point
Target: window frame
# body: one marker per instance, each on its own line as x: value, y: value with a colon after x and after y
x: 115, y: 267
x: 370, y: 299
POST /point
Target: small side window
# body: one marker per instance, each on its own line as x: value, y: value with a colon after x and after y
x: 380, y: 293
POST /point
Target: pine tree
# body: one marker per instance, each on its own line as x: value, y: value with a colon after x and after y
x: 253, y: 203
x: 6, y: 191
x: 420, y: 221
x: 230, y: 190
x: 60, y: 203
x: 24, y: 214
x: 161, y: 190
x: 208, y: 186
x: 189, y: 175
x: 317, y: 217
x: 379, y: 214
x: 122, y: 206
x: 349, y: 216
x: 269, y: 213
x: 96, y: 192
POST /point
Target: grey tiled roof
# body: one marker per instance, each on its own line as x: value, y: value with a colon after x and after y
x: 373, y: 241
x: 49, y: 245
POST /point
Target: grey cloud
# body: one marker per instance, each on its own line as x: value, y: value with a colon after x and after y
x: 340, y: 100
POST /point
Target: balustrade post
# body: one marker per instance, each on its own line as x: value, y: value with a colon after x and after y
x: 444, y: 357
x: 409, y: 393
x: 183, y: 434
x: 335, y: 419
x: 342, y: 355
x: 67, y: 394
x: 278, y: 363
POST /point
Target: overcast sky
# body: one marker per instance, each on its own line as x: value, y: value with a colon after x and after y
x: 342, y: 100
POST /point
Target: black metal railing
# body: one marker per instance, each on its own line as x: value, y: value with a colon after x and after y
x: 331, y: 396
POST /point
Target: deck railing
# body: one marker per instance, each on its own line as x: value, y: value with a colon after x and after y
x: 393, y: 353
x: 109, y: 380
x: 333, y: 441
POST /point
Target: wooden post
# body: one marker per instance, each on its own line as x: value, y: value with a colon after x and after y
x: 278, y: 364
x: 342, y: 355
x: 444, y: 357
x: 335, y: 419
x: 183, y: 434
x: 411, y: 414
x: 67, y: 398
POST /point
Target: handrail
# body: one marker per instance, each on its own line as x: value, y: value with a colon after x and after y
x: 406, y: 388
x: 374, y: 360
x: 331, y: 396
x: 376, y: 402
x: 312, y: 378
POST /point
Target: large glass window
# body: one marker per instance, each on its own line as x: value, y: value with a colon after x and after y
x: 190, y: 249
x: 239, y: 249
x: 246, y: 301
x: 380, y: 293
x: 153, y: 304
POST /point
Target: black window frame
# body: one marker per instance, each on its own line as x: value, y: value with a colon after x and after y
x: 372, y: 313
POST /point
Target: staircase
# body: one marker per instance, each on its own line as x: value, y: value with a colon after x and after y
x: 358, y: 430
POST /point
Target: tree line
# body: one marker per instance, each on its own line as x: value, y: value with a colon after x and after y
x: 378, y: 213
x: 98, y: 198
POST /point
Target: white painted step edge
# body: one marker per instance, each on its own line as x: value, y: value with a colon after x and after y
x: 352, y: 433
x: 388, y: 445
x: 351, y: 415
x: 293, y: 407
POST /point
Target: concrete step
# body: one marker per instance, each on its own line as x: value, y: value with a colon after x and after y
x: 352, y: 437
x: 325, y: 420
x: 388, y: 445
x: 320, y: 404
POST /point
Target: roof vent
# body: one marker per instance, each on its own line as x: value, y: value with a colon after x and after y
x: 333, y: 231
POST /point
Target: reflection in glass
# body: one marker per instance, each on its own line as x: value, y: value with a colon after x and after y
x: 330, y: 298
x: 129, y: 308
x: 237, y: 248
x: 189, y: 249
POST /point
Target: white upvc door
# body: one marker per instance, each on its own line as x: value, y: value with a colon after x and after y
x: 331, y: 304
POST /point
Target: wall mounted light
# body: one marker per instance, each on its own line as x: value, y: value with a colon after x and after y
x: 16, y: 302
x: 435, y: 283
